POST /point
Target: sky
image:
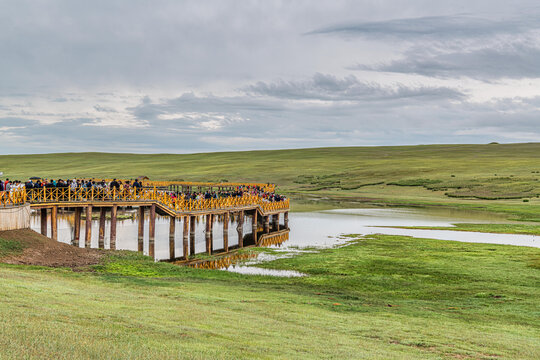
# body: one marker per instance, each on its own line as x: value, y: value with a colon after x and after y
x: 196, y: 76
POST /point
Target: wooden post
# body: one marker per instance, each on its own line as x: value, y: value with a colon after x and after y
x: 172, y: 229
x: 286, y: 220
x: 140, y: 236
x: 88, y: 235
x: 152, y: 231
x: 192, y: 236
x: 266, y: 224
x: 54, y: 223
x: 255, y: 226
x: 102, y: 214
x: 44, y: 222
x: 240, y: 229
x: 226, y: 232
x: 209, y: 225
x: 275, y: 222
x: 185, y: 238
x: 112, y: 243
x: 77, y: 227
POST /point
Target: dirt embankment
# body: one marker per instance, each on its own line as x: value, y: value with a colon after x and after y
x: 40, y: 250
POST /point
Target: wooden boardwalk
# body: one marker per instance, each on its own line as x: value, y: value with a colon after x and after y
x: 156, y: 200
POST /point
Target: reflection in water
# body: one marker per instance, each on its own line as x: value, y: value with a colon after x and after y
x: 274, y: 239
x: 221, y: 261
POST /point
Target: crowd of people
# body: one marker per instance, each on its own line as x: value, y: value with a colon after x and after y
x: 73, y: 184
x: 238, y: 191
x: 126, y: 185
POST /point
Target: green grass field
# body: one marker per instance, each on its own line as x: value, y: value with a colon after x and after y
x: 379, y: 298
x: 495, y: 177
x: 383, y: 297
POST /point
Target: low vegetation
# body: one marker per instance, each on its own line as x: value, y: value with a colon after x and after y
x: 381, y: 297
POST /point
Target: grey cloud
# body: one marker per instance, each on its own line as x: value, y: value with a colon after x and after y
x: 329, y: 124
x: 448, y: 27
x: 105, y: 109
x: 350, y: 88
x: 504, y: 61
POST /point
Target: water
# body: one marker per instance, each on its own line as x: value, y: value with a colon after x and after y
x: 324, y: 229
x: 307, y: 230
x: 253, y: 270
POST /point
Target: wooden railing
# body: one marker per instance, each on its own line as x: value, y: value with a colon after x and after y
x: 175, y: 204
x: 8, y: 198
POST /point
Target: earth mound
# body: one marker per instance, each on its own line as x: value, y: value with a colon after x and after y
x: 33, y: 248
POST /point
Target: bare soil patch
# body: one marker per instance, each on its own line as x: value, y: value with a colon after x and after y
x: 40, y: 250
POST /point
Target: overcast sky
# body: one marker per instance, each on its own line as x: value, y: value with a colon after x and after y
x: 193, y: 76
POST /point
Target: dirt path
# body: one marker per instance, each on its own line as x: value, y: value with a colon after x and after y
x: 40, y: 250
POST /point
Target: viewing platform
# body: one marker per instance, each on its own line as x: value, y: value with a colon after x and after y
x: 162, y: 198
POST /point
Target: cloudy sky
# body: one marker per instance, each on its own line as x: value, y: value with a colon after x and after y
x: 192, y: 76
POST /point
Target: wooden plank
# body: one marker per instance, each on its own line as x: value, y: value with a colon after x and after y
x: 44, y: 222
x: 140, y: 235
x: 240, y: 229
x: 185, y: 238
x: 209, y: 225
x: 192, y: 235
x: 54, y: 223
x: 172, y: 229
x: 152, y: 232
x: 112, y: 243
x: 102, y: 217
x: 226, y: 232
x: 77, y: 227
x: 275, y: 222
x: 255, y: 226
x: 88, y: 234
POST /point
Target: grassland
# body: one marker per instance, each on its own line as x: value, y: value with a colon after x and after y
x: 494, y: 177
x: 381, y: 297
